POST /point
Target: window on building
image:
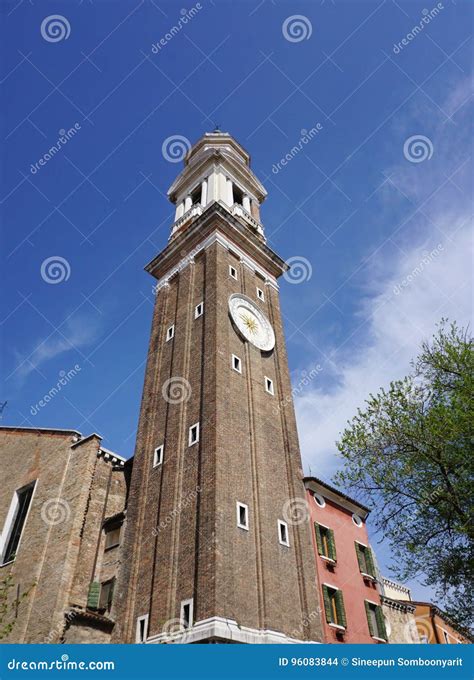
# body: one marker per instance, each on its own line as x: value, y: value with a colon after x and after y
x: 260, y: 294
x: 376, y: 620
x: 198, y: 310
x: 269, y: 386
x: 196, y: 195
x: 112, y: 536
x: 158, y: 455
x: 325, y: 542
x: 170, y: 333
x: 232, y: 272
x: 334, y: 606
x: 357, y: 520
x: 242, y: 516
x: 141, y: 632
x: 238, y: 195
x: 15, y: 522
x: 319, y: 500
x: 106, y: 594
x: 283, y: 536
x: 365, y: 559
x: 193, y: 434
x: 236, y: 364
x: 187, y: 614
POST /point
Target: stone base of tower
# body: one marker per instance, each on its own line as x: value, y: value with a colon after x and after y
x: 220, y: 630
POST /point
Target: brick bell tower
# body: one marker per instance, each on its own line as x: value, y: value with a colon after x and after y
x: 217, y: 546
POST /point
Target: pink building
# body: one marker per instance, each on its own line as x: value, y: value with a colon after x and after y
x: 345, y: 566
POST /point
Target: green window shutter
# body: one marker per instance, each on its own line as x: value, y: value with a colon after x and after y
x: 332, y: 545
x: 319, y: 542
x: 341, y: 612
x: 327, y: 605
x: 360, y: 557
x: 93, y: 596
x: 369, y: 558
x: 369, y: 620
x: 382, y: 631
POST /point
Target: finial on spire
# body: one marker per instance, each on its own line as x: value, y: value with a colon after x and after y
x: 217, y: 127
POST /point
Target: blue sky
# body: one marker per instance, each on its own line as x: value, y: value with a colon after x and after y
x: 382, y: 234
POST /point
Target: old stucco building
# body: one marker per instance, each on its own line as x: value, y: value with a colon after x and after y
x: 62, y: 497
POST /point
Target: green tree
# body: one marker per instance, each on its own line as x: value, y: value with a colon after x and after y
x: 409, y: 452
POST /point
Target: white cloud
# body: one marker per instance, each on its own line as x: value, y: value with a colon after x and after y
x: 393, y: 327
x: 77, y: 332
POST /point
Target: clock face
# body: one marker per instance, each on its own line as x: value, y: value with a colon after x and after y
x: 251, y: 323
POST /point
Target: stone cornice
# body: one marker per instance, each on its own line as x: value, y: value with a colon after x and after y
x: 217, y: 219
x: 400, y: 605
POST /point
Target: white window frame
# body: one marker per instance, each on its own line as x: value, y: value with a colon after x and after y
x: 184, y: 603
x: 237, y: 369
x: 269, y: 386
x: 192, y: 441
x: 281, y: 524
x: 199, y: 310
x: 170, y: 333
x: 10, y: 521
x: 143, y: 618
x: 238, y: 507
x: 158, y: 455
x: 260, y: 294
x: 233, y: 269
x: 319, y: 500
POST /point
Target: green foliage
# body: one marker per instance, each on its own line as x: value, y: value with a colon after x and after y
x: 8, y: 605
x: 409, y: 452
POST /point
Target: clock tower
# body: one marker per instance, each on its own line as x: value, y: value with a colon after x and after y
x: 217, y: 546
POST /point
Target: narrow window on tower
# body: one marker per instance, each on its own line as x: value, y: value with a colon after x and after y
x: 375, y: 620
x: 233, y: 272
x: 198, y: 310
x: 158, y: 455
x: 236, y: 364
x: 170, y: 333
x: 187, y: 614
x: 283, y: 533
x: 193, y: 434
x: 141, y: 631
x: 15, y: 523
x: 242, y: 516
x: 334, y: 606
x: 269, y: 386
x: 260, y: 294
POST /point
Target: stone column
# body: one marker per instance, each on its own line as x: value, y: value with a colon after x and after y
x: 229, y: 192
x: 204, y: 192
x: 187, y: 203
x: 246, y: 203
x: 179, y: 210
